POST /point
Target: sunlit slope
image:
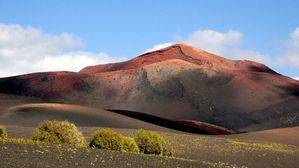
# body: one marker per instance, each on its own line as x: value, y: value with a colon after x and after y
x: 32, y: 114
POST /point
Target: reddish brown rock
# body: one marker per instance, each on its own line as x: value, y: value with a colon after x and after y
x: 176, y: 83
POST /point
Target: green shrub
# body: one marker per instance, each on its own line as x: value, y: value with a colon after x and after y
x: 150, y: 142
x: 107, y: 139
x: 130, y: 145
x: 3, y: 132
x: 59, y: 132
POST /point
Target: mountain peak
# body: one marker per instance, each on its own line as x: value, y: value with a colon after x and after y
x: 182, y: 52
x: 177, y: 51
x: 177, y: 46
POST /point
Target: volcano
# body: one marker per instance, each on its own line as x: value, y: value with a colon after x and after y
x: 179, y: 83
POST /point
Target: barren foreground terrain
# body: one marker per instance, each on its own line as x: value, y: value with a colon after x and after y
x: 190, y: 150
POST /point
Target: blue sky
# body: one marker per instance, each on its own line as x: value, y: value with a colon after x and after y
x: 264, y: 30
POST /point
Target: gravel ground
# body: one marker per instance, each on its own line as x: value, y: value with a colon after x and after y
x: 31, y: 156
x: 190, y: 150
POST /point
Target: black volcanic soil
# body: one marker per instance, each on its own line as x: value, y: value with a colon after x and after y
x: 288, y: 135
x: 193, y: 151
x: 33, y: 156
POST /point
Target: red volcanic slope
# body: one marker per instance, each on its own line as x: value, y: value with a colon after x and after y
x: 46, y: 85
x: 173, y: 52
x: 182, y: 52
x: 177, y: 83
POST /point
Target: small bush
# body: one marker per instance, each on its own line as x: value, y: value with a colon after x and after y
x: 3, y: 132
x: 150, y: 142
x: 130, y: 145
x: 59, y: 132
x: 107, y: 139
x: 167, y: 151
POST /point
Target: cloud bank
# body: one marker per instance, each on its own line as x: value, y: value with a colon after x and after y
x: 28, y: 49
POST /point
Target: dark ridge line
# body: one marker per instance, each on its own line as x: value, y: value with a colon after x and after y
x: 185, y: 126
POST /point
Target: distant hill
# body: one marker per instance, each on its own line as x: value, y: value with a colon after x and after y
x: 178, y: 83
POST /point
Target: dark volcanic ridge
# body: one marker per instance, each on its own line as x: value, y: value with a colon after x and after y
x: 183, y: 125
x: 178, y: 83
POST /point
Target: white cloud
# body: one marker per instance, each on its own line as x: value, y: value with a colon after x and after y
x: 290, y: 56
x: 28, y: 49
x: 214, y: 41
x: 158, y: 47
x: 225, y: 44
x: 72, y: 61
x: 297, y: 78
